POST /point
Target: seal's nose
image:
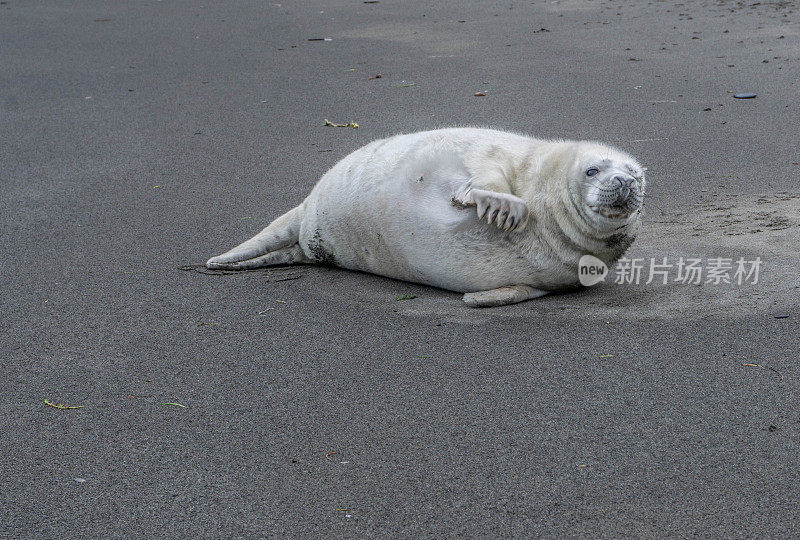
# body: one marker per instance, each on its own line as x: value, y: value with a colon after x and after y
x: 624, y: 183
x: 623, y: 180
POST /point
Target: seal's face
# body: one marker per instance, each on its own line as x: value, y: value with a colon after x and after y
x: 611, y: 187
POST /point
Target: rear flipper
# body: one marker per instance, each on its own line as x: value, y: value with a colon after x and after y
x: 288, y: 255
x: 276, y: 244
x: 502, y: 296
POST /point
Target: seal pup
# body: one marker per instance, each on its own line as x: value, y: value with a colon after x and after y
x: 501, y: 217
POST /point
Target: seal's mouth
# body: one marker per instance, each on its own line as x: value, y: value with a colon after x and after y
x: 612, y: 211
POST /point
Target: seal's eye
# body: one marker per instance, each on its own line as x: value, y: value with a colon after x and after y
x: 591, y: 172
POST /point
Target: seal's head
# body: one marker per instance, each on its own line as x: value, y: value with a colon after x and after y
x: 607, y: 185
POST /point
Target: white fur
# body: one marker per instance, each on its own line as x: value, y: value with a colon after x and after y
x: 403, y: 207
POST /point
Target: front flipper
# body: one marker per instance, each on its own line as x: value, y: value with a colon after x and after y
x: 507, y: 212
x: 502, y: 296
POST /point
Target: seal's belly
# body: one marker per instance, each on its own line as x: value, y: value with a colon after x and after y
x: 390, y: 213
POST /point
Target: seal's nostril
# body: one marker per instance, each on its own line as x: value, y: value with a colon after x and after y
x: 623, y: 180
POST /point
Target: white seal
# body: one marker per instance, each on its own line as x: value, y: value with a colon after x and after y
x: 498, y: 216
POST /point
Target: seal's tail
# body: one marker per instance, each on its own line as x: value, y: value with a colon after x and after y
x: 276, y: 244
